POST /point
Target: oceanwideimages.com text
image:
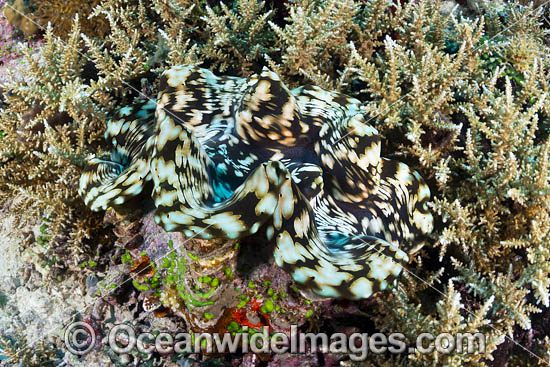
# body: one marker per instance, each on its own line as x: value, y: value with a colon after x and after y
x: 80, y: 338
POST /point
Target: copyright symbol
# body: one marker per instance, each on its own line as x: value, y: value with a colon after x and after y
x: 79, y: 338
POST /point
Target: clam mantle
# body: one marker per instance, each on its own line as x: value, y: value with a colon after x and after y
x: 226, y: 157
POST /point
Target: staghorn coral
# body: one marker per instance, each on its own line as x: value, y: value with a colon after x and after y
x: 16, y: 350
x: 314, y: 42
x: 47, y: 122
x: 249, y: 21
x: 51, y: 118
x: 479, y: 130
x: 244, y: 165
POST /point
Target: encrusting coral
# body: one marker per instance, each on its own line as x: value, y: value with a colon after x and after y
x: 30, y: 16
x: 17, y: 14
x: 227, y: 156
x: 60, y: 13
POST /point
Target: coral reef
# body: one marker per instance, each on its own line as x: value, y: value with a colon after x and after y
x: 10, y: 46
x: 43, y: 355
x: 208, y: 285
x: 16, y: 13
x: 31, y: 16
x: 301, y: 163
x: 459, y: 96
x: 46, y: 126
x: 61, y: 13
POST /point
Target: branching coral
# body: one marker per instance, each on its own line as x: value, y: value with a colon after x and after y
x: 248, y: 21
x: 47, y: 125
x: 16, y: 351
x: 52, y: 119
x: 314, y: 43
x: 461, y: 99
x: 478, y: 125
